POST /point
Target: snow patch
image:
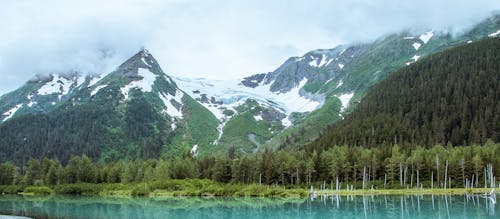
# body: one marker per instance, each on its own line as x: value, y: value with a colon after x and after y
x: 170, y: 108
x: 145, y: 84
x: 194, y: 150
x: 220, y: 130
x: 286, y: 122
x: 144, y: 61
x: 258, y: 118
x: 11, y: 112
x: 341, y: 66
x: 342, y: 52
x: 323, y: 62
x: 96, y: 89
x: 416, y: 45
x: 298, y: 59
x: 345, y: 99
x: 58, y: 85
x: 79, y: 81
x: 94, y: 81
x: 495, y: 34
x: 415, y: 58
x: 340, y: 84
x: 426, y: 37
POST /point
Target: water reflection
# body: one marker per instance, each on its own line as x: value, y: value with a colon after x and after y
x: 412, y: 206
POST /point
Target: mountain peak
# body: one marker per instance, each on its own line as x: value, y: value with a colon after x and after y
x: 142, y: 59
x: 144, y: 52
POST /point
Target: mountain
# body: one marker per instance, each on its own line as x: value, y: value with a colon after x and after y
x: 136, y: 111
x: 451, y: 97
x: 307, y: 94
x: 139, y: 111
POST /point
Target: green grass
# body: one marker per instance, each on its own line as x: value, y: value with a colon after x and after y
x: 209, y: 188
x: 37, y: 190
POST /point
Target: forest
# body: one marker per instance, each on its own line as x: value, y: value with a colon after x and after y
x: 449, y: 97
x: 362, y: 168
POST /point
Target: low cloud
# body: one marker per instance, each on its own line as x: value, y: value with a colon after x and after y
x: 203, y: 38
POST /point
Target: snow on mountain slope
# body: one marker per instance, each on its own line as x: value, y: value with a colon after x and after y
x: 426, y: 37
x: 145, y: 84
x: 218, y: 95
x: 495, y: 34
x: 168, y: 101
x: 61, y: 85
x: 11, y: 112
x: 345, y: 99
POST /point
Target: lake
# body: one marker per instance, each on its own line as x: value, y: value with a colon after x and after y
x: 427, y: 206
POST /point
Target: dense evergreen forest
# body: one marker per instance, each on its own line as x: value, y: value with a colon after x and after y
x: 450, y: 97
x: 394, y: 167
x: 100, y: 130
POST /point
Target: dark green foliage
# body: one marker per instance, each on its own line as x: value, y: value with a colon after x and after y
x: 452, y: 97
x: 7, y: 174
x: 38, y: 190
x: 33, y: 174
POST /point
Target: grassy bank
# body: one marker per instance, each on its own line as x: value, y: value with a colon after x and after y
x: 208, y: 188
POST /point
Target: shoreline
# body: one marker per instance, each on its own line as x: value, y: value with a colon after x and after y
x: 271, y: 192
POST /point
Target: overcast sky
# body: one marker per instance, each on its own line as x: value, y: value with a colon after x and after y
x: 211, y: 39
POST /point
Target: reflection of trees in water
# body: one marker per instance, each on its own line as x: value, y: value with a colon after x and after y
x: 410, y: 205
x: 389, y: 206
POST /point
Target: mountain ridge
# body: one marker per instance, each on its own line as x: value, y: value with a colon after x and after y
x: 287, y: 107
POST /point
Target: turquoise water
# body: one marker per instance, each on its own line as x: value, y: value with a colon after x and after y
x: 269, y: 208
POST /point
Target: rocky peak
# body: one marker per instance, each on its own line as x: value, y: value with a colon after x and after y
x: 142, y: 59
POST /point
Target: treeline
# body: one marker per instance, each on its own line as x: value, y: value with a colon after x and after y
x: 450, y: 97
x: 390, y: 167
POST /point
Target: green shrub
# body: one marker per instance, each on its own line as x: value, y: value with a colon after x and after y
x: 141, y: 190
x: 38, y: 190
x: 10, y: 189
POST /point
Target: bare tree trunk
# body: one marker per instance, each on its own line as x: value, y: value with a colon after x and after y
x: 411, y: 178
x: 405, y: 175
x: 462, y: 165
x: 445, y: 174
x: 385, y: 180
x: 437, y: 169
x: 401, y: 174
x: 364, y: 176
x: 337, y: 183
x: 418, y: 180
x: 432, y: 179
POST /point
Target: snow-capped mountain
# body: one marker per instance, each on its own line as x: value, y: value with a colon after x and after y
x: 142, y: 111
x: 135, y: 111
x: 42, y: 93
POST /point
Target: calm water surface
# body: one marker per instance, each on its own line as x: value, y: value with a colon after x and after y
x: 321, y: 207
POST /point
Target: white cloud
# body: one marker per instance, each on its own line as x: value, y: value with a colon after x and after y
x: 201, y: 38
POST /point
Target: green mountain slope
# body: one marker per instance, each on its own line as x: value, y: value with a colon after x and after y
x: 450, y: 97
x: 137, y: 111
x: 364, y: 67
